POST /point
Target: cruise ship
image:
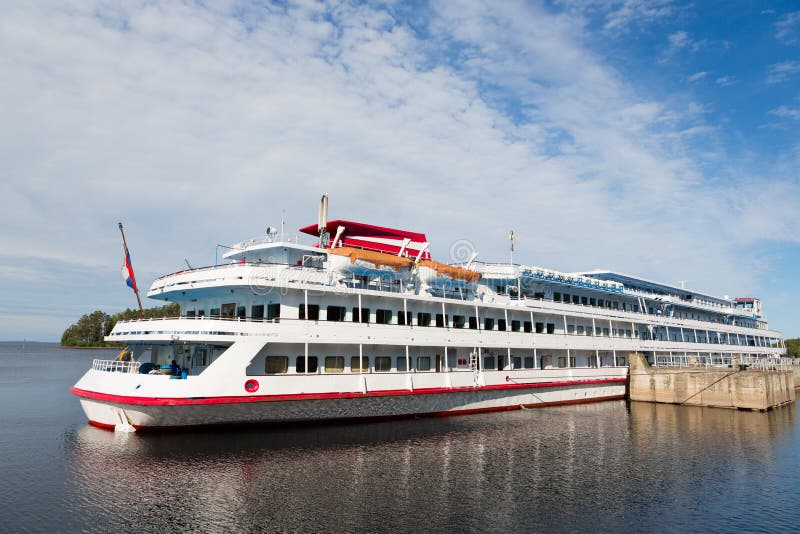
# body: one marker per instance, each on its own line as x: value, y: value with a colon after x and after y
x: 361, y: 323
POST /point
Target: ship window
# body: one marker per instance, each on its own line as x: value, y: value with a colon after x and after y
x: 528, y: 362
x: 383, y: 364
x: 189, y: 313
x: 423, y: 319
x: 576, y: 299
x: 622, y: 360
x: 615, y: 305
x: 361, y: 316
x: 517, y: 361
x: 592, y: 301
x: 201, y: 313
x: 354, y: 362
x: 501, y: 325
x: 214, y: 312
x: 605, y: 332
x: 336, y: 313
x: 562, y: 361
x: 515, y: 326
x: 313, y: 312
x: 334, y: 364
x: 228, y: 310
x: 273, y: 311
x: 383, y: 316
x: 442, y: 320
x: 257, y: 311
x: 527, y: 326
x: 584, y: 301
x: 488, y: 323
x: 580, y: 330
x: 300, y: 364
x: 539, y: 328
x: 401, y: 318
x: 551, y: 328
x: 423, y: 363
x: 276, y: 364
x: 571, y: 329
x: 566, y: 298
x: 488, y: 362
x: 458, y: 321
x: 473, y: 323
x: 401, y: 363
x: 241, y: 312
x: 557, y: 297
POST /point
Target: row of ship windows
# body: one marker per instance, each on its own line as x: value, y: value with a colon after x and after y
x: 383, y: 364
x: 592, y: 301
x: 624, y: 306
x: 384, y: 316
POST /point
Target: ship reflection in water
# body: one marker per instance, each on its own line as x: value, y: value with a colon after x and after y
x: 598, y: 467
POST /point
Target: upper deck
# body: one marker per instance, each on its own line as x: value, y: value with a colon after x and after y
x: 374, y: 261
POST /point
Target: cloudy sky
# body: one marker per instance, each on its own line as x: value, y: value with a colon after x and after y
x: 657, y: 138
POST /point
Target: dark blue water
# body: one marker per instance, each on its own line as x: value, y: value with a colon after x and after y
x: 601, y: 467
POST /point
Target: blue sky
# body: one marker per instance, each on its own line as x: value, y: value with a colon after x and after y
x: 657, y: 138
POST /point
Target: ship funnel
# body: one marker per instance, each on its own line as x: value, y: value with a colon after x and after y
x: 322, y: 218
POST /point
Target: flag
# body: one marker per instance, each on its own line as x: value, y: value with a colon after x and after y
x: 127, y: 272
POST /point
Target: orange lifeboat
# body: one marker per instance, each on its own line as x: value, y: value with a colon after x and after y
x: 378, y: 259
x: 455, y: 273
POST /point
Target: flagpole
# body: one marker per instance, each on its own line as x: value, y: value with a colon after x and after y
x: 136, y: 286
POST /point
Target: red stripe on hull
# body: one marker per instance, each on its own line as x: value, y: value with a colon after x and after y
x: 349, y: 420
x: 176, y: 401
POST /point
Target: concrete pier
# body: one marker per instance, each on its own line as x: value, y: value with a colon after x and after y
x: 723, y: 387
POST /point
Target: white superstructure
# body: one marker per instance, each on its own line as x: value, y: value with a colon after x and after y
x: 367, y: 325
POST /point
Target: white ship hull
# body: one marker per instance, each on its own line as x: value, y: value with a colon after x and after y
x: 107, y: 410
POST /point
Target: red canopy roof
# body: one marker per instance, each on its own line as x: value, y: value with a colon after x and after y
x: 371, y: 237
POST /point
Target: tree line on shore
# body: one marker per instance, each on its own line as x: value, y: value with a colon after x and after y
x: 91, y: 328
x: 793, y: 347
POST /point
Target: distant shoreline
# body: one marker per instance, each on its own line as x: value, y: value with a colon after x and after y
x: 108, y: 347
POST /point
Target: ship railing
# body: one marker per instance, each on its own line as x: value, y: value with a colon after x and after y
x: 116, y: 366
x: 201, y: 318
x: 764, y: 363
x: 239, y: 264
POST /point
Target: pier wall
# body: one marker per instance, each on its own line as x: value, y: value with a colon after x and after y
x: 709, y: 386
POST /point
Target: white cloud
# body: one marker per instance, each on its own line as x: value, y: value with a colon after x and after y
x: 682, y: 40
x: 724, y: 81
x: 780, y: 72
x: 196, y: 126
x: 787, y: 28
x: 697, y: 76
x: 786, y: 112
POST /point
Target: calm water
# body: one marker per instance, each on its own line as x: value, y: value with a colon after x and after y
x: 600, y: 467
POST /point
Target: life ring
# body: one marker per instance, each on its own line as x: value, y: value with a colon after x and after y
x: 251, y: 386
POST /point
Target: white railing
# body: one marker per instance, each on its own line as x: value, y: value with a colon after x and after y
x: 116, y: 366
x: 717, y: 360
